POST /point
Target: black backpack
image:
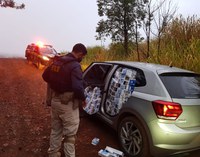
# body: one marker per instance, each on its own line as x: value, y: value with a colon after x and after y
x: 55, y: 75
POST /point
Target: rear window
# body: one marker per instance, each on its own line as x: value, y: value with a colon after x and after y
x: 47, y: 50
x: 182, y: 85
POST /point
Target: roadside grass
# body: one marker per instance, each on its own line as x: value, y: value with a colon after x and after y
x: 179, y: 47
x: 188, y: 59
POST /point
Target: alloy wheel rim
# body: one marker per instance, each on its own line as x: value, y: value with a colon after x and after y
x: 131, y: 138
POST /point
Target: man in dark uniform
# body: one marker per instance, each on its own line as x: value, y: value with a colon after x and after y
x: 65, y: 105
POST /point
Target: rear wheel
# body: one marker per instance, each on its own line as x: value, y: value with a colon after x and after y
x: 133, y: 138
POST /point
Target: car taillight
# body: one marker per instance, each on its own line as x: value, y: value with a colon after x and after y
x: 167, y: 110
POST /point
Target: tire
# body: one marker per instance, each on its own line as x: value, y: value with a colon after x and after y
x: 133, y: 138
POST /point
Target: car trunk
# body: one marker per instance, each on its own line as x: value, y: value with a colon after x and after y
x: 190, y: 117
x: 184, y: 88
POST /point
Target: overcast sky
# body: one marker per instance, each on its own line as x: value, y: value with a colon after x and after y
x: 60, y: 23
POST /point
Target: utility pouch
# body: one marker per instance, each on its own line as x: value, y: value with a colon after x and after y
x: 66, y: 97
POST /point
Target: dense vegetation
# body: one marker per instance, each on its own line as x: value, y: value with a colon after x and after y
x: 11, y: 4
x: 180, y: 47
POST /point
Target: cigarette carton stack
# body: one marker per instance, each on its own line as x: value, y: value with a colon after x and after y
x: 93, y: 99
x: 110, y: 152
x: 121, y: 87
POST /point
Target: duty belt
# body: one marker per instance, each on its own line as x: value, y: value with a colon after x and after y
x: 64, y: 97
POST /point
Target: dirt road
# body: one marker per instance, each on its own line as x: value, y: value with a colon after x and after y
x: 25, y: 120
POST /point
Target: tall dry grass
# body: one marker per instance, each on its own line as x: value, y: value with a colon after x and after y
x: 180, y: 47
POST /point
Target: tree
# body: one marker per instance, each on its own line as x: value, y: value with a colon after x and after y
x: 165, y: 14
x: 11, y: 4
x: 121, y: 19
x: 147, y: 22
x: 140, y: 16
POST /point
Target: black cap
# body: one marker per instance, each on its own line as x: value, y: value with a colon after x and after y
x: 79, y: 48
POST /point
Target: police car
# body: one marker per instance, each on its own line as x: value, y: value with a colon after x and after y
x: 39, y: 54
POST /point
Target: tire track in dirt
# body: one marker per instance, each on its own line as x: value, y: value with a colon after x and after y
x: 25, y: 123
x: 22, y: 102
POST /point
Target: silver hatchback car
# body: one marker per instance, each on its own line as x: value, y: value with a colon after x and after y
x: 155, y: 109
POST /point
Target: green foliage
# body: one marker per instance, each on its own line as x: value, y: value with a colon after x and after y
x: 122, y: 18
x: 117, y: 49
x: 11, y: 4
x: 96, y: 53
x: 180, y: 47
x: 183, y: 34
